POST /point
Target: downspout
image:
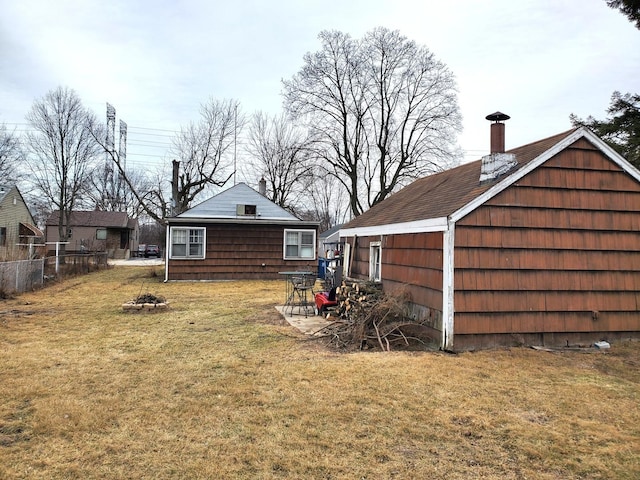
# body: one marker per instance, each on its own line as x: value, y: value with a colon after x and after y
x: 448, y: 270
x: 167, y: 242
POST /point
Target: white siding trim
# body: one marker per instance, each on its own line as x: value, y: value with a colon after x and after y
x: 419, y: 226
x: 448, y: 269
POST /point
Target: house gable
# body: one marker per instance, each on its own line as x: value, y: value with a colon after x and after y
x: 581, y: 138
x: 225, y: 206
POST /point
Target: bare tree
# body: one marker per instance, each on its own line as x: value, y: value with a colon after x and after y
x: 383, y: 109
x: 100, y: 190
x: 146, y: 193
x: 328, y: 94
x: 10, y: 155
x: 206, y: 150
x: 62, y: 149
x: 280, y: 152
x: 328, y: 201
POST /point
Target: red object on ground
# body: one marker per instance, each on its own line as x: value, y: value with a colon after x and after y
x: 322, y: 302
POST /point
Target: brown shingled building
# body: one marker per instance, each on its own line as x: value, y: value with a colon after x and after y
x: 539, y: 245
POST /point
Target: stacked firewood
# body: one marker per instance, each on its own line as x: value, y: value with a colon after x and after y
x: 355, y: 298
x: 366, y: 317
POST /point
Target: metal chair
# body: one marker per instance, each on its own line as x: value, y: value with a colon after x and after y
x: 301, y: 285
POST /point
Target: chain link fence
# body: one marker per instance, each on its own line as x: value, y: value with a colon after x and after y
x: 24, y: 275
x: 21, y: 275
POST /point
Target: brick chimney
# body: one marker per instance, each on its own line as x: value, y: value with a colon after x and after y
x: 262, y: 187
x: 497, y: 163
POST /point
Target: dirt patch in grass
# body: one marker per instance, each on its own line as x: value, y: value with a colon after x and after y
x: 221, y: 387
x: 268, y: 316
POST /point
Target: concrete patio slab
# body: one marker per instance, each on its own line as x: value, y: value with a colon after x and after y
x: 308, y: 325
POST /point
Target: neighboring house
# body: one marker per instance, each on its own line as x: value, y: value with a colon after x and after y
x: 238, y: 234
x: 97, y: 231
x: 329, y: 241
x: 18, y: 233
x: 538, y: 246
x: 330, y: 256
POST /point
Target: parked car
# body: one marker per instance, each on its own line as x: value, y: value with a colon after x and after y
x: 151, y: 251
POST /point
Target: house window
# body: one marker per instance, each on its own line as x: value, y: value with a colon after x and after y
x: 101, y: 234
x: 299, y: 244
x: 246, y: 209
x: 187, y: 242
x: 375, y: 261
x: 3, y: 236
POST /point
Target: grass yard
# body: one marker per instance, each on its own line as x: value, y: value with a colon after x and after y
x: 219, y: 387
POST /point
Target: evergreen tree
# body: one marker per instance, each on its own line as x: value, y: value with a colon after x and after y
x: 621, y: 129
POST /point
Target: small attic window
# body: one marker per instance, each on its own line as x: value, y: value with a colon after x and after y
x: 246, y: 209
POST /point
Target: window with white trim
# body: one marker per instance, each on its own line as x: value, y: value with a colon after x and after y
x: 101, y: 234
x: 299, y: 244
x: 375, y: 261
x: 187, y: 243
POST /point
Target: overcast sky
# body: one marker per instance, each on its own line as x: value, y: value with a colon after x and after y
x: 157, y: 61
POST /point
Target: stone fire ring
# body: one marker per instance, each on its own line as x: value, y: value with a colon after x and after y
x: 133, y: 307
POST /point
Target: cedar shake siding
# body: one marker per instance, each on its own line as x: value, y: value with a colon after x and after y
x: 546, y: 253
x: 238, y: 234
x: 411, y: 263
x: 554, y: 258
x: 238, y: 252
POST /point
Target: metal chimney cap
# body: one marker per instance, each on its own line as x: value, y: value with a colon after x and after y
x: 497, y: 117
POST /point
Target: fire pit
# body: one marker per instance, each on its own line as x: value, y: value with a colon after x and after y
x: 146, y: 303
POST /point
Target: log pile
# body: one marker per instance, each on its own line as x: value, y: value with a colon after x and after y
x: 355, y: 298
x: 366, y: 317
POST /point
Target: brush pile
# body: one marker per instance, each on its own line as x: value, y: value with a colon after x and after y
x: 149, y: 298
x: 366, y: 317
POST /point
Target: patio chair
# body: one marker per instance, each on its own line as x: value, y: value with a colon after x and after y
x: 301, y: 285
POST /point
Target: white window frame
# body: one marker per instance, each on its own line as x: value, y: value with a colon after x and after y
x: 299, y: 231
x: 101, y: 233
x: 187, y: 244
x: 375, y: 261
x: 346, y: 259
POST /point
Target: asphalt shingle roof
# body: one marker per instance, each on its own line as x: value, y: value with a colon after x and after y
x: 443, y: 193
x: 92, y: 218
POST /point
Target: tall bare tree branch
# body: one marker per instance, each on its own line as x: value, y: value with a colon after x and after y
x: 383, y: 109
x: 62, y: 151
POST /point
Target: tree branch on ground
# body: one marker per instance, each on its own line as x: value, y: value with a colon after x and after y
x: 366, y: 317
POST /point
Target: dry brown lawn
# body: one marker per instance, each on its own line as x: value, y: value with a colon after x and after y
x: 219, y: 387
